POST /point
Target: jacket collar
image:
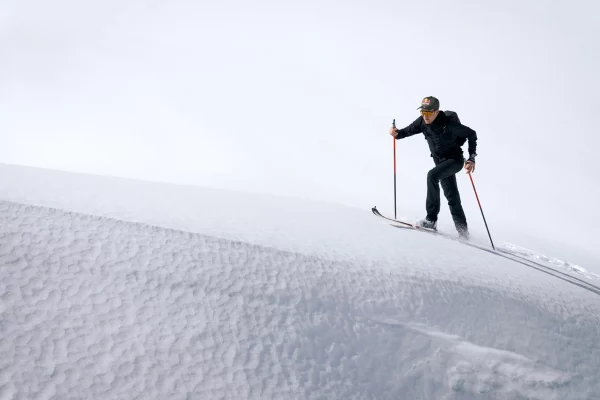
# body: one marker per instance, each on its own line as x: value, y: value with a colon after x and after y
x: 441, y: 119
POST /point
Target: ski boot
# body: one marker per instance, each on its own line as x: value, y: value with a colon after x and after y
x: 428, y: 224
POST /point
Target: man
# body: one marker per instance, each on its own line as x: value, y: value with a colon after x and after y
x: 445, y: 135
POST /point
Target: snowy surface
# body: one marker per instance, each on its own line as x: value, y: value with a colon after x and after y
x: 116, y: 289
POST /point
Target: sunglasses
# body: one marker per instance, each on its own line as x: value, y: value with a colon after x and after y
x: 428, y: 113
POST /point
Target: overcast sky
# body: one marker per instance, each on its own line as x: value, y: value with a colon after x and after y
x: 297, y: 99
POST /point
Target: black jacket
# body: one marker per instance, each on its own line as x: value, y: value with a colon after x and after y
x: 445, y: 136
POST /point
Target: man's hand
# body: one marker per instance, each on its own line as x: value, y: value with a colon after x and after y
x: 470, y: 165
x: 393, y: 131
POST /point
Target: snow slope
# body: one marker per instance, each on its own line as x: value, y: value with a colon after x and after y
x: 113, y: 289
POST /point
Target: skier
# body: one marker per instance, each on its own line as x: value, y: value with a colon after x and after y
x: 445, y: 135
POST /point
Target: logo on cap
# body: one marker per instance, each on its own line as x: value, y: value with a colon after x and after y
x: 425, y: 101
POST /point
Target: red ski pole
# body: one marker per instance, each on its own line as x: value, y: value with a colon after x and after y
x: 484, y: 221
x: 394, y: 126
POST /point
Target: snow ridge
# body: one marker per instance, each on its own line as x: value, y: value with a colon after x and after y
x: 101, y: 308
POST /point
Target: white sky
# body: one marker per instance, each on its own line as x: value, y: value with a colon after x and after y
x: 297, y: 99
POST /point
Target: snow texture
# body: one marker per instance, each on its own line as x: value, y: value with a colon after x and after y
x: 154, y: 291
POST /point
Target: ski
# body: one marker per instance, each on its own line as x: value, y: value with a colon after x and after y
x: 407, y: 225
x: 403, y: 223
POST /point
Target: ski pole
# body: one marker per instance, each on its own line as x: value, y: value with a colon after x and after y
x: 484, y: 221
x: 394, y: 126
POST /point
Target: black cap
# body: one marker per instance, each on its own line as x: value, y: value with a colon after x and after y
x: 429, y: 103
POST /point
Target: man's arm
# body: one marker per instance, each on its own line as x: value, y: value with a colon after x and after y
x: 469, y: 134
x: 412, y: 129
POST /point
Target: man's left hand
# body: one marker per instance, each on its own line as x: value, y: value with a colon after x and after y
x: 470, y: 166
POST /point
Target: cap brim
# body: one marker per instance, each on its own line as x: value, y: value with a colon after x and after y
x: 426, y: 108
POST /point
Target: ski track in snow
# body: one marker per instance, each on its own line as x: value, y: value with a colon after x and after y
x: 99, y: 308
x: 554, y: 262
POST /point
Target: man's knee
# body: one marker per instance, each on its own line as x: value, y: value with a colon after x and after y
x: 433, y: 175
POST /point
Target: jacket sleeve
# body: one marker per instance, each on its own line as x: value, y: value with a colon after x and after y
x: 412, y: 129
x: 463, y: 131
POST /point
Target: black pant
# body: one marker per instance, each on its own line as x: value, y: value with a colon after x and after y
x: 444, y: 172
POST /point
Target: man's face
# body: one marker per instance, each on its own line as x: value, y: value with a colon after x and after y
x: 429, y: 116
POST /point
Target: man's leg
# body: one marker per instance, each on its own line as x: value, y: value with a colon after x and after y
x: 440, y: 172
x: 453, y: 196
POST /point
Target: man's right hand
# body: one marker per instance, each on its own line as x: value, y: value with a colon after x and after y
x: 393, y: 132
